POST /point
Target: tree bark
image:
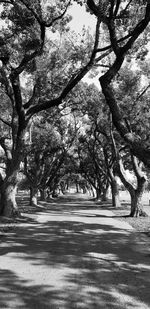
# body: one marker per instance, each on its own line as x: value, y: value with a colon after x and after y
x: 98, y: 193
x: 112, y: 179
x: 104, y: 196
x: 48, y: 193
x: 92, y: 190
x: 8, y: 205
x: 77, y: 187
x: 84, y: 189
x: 136, y: 196
x: 115, y: 193
x: 33, y: 196
x: 42, y: 195
x: 135, y: 193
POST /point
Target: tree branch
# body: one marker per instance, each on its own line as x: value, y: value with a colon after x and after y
x: 142, y: 93
x: 6, y: 150
x: 28, y: 57
x: 5, y: 122
x: 111, y: 9
x: 32, y: 99
x: 45, y: 104
x: 127, y: 5
x: 117, y: 8
x: 93, y: 7
x: 137, y: 169
x: 113, y: 37
x: 39, y: 20
x: 140, y: 27
x: 18, y: 102
x: 110, y: 46
x: 6, y: 1
x: 50, y: 24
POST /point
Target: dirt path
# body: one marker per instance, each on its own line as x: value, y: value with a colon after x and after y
x: 74, y: 256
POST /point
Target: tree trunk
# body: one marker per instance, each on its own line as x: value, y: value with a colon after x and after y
x: 67, y: 186
x: 98, y: 193
x: 135, y: 193
x: 135, y: 205
x: 54, y: 194
x: 42, y: 194
x: 115, y: 194
x: 84, y: 189
x: 48, y: 193
x: 91, y: 191
x: 33, y: 196
x: 8, y: 205
x: 77, y: 187
x: 104, y: 196
x: 136, y: 196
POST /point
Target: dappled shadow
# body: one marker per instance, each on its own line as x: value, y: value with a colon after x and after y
x: 72, y: 260
x: 61, y: 203
x: 17, y: 293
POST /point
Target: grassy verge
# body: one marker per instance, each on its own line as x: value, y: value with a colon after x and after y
x: 140, y: 224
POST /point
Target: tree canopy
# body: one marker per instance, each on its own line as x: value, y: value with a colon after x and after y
x: 43, y: 62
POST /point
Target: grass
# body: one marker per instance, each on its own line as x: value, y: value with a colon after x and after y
x: 140, y: 224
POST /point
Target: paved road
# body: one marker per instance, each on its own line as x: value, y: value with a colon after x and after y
x: 74, y: 256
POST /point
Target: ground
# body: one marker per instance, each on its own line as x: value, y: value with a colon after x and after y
x: 73, y: 254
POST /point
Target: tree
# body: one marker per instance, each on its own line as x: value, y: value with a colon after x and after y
x: 115, y: 155
x: 98, y: 132
x: 119, y: 17
x: 42, y: 158
x: 133, y: 99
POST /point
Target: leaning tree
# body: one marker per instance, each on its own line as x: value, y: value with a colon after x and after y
x: 125, y: 24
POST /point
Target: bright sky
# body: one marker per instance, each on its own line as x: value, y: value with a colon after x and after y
x: 81, y: 18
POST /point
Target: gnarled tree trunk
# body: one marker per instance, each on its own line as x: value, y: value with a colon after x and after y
x: 8, y: 189
x: 135, y: 193
x: 8, y: 205
x: 136, y: 196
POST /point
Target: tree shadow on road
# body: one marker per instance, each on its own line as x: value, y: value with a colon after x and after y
x: 87, y: 262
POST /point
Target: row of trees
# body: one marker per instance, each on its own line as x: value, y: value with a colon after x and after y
x: 85, y: 149
x: 42, y: 63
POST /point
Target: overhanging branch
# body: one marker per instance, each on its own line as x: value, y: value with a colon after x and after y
x: 45, y: 104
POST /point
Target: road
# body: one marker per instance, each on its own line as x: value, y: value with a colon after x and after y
x: 74, y: 255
